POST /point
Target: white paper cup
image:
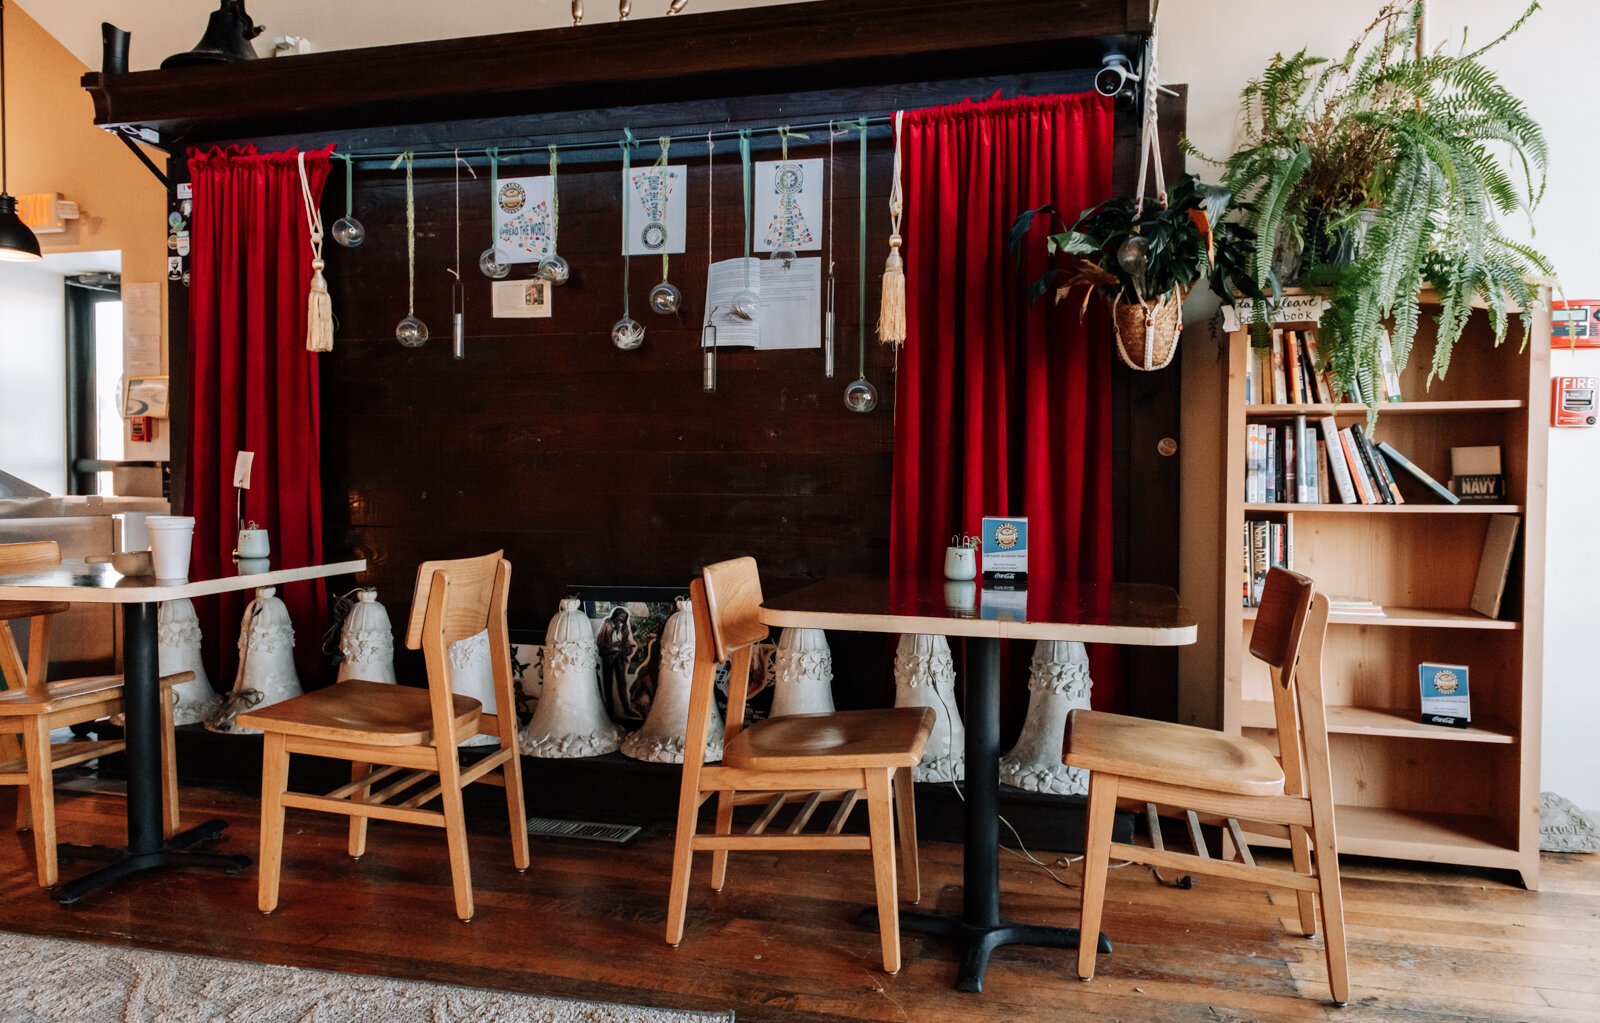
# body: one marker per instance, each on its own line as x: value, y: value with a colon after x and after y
x: 171, y: 540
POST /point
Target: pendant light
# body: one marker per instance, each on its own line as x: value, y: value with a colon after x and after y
x: 17, y: 243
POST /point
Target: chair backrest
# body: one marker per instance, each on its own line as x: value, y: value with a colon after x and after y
x: 1290, y: 626
x: 725, y: 602
x: 455, y: 600
x: 733, y: 597
x: 26, y: 557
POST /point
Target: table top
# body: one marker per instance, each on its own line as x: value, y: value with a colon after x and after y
x: 77, y: 582
x: 1130, y: 614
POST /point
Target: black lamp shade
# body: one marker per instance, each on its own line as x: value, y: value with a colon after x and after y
x: 17, y: 242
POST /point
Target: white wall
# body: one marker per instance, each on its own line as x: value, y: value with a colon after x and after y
x: 1538, y: 66
x: 33, y: 367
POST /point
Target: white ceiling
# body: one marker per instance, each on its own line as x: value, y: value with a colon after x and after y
x: 163, y: 27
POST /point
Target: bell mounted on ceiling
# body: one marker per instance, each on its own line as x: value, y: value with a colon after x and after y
x: 227, y: 39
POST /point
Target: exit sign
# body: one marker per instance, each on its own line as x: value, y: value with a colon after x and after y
x: 46, y: 212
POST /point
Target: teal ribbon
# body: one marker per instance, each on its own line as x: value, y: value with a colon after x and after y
x: 349, y: 179
x: 861, y: 258
x: 494, y: 196
x: 627, y: 145
x: 744, y: 179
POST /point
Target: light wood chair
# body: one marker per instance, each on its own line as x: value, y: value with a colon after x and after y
x: 1230, y: 778
x: 814, y: 757
x: 31, y: 708
x: 404, y: 729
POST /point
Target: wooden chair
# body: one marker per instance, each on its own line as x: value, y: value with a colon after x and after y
x: 31, y: 708
x: 405, y: 729
x: 1225, y: 777
x: 840, y: 755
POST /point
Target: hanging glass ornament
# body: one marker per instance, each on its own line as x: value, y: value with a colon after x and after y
x: 489, y: 262
x: 860, y: 395
x: 347, y: 230
x: 627, y: 333
x: 665, y: 298
x: 1133, y: 256
x: 491, y: 266
x: 410, y: 331
x: 553, y: 268
x: 746, y: 305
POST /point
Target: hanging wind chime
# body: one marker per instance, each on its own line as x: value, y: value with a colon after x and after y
x: 489, y: 262
x: 627, y: 333
x: 861, y: 395
x: 319, y: 307
x: 347, y: 230
x: 458, y: 288
x: 746, y: 304
x: 892, y: 312
x: 665, y: 297
x: 410, y: 331
x: 553, y: 268
x: 833, y: 282
x: 708, y: 332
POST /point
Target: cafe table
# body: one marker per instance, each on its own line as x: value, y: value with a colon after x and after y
x: 1129, y: 614
x: 76, y: 582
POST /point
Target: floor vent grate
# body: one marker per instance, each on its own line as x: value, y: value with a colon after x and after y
x: 612, y: 834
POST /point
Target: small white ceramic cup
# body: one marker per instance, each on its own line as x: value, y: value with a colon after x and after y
x: 960, y: 563
x: 253, y: 543
x: 171, y: 542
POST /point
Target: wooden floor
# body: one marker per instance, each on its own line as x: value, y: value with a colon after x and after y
x: 778, y: 943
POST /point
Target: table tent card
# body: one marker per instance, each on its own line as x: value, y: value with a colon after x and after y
x: 657, y: 215
x: 1445, y: 698
x: 523, y: 220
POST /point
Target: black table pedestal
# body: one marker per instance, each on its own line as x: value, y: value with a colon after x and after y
x: 980, y: 929
x: 147, y: 848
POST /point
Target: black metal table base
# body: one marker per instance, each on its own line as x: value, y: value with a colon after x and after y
x: 976, y: 943
x: 177, y: 851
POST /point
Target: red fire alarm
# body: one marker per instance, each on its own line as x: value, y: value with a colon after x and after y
x: 1573, y: 402
x: 141, y: 429
x: 1575, y: 323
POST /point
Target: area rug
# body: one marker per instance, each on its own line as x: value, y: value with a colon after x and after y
x: 47, y: 980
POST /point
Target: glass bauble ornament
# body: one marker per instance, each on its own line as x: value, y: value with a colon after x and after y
x: 554, y: 269
x: 627, y: 334
x: 861, y: 396
x: 349, y: 232
x: 665, y: 298
x: 746, y: 305
x: 411, y: 332
x: 491, y: 266
x: 1133, y: 254
x: 785, y: 255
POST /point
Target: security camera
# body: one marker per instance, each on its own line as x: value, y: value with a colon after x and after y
x: 1115, y: 76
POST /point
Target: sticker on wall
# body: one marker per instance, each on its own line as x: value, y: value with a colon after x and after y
x: 658, y: 215
x: 788, y: 205
x: 522, y: 220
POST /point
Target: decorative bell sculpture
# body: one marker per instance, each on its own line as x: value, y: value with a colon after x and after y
x: 802, y: 674
x: 227, y: 38
x: 925, y: 676
x: 1058, y: 681
x: 471, y: 674
x: 366, y: 643
x: 266, y: 663
x: 178, y: 649
x: 570, y: 719
x: 662, y: 739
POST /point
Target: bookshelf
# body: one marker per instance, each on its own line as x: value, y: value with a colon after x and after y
x: 1408, y: 790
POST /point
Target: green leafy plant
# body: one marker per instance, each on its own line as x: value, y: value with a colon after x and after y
x: 1387, y: 170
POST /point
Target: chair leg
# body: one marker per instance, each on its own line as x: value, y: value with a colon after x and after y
x: 1300, y: 849
x: 905, y: 798
x: 274, y: 782
x: 169, y: 760
x: 880, y: 815
x: 682, y: 862
x: 1096, y: 862
x: 719, y: 857
x: 42, y: 800
x: 511, y: 771
x: 455, y: 829
x: 358, y: 823
x: 1332, y: 899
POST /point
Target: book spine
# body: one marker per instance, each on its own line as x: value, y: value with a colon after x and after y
x: 1395, y: 458
x: 1271, y: 495
x: 1297, y: 380
x: 1288, y: 541
x: 1303, y: 461
x: 1277, y: 368
x: 1391, y: 375
x: 1324, y: 487
x: 1380, y: 472
x: 1291, y: 479
x: 1337, y: 461
x: 1358, y: 469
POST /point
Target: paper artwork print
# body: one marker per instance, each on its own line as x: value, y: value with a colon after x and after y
x: 657, y: 209
x: 522, y: 220
x: 788, y: 206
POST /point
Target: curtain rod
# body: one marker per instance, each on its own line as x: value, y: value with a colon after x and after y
x: 644, y: 138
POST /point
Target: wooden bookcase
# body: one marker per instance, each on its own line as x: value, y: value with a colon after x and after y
x: 1407, y: 790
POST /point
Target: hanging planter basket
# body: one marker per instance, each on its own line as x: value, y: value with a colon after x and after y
x: 1147, y: 332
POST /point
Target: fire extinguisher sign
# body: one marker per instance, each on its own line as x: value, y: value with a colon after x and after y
x: 1574, y: 402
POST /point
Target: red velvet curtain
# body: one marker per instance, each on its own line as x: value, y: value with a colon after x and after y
x: 252, y: 384
x: 1003, y: 408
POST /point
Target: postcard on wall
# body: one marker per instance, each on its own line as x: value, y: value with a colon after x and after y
x: 788, y: 205
x: 657, y: 201
x: 521, y: 299
x: 1445, y: 699
x: 522, y: 220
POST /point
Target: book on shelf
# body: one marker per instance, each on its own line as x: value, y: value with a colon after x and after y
x: 1357, y: 606
x: 1494, y: 565
x: 1391, y: 374
x: 1475, y: 474
x: 1337, y: 461
x: 1379, y: 469
x: 1397, y: 460
x: 1289, y: 371
x: 1267, y: 545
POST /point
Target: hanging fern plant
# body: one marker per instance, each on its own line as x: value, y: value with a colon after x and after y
x: 1385, y: 171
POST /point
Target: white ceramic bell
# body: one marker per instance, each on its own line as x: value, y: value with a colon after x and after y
x: 266, y: 663
x: 925, y: 676
x: 178, y: 649
x: 366, y: 643
x: 570, y: 719
x: 661, y: 740
x: 802, y: 673
x: 1058, y: 681
x: 472, y: 675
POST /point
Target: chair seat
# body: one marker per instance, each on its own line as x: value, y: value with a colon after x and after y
x: 72, y: 693
x: 862, y: 738
x: 364, y: 713
x: 1160, y: 751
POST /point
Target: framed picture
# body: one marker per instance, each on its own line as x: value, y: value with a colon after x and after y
x: 144, y: 396
x: 628, y: 621
x: 521, y: 299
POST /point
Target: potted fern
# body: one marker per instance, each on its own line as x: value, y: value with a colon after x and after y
x: 1371, y: 176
